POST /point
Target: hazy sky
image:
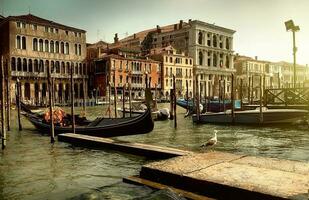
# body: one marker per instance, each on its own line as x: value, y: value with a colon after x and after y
x: 259, y: 23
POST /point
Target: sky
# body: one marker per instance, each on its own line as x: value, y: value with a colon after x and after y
x: 259, y: 24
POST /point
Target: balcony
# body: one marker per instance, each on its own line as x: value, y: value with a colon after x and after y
x: 137, y: 85
x: 137, y: 72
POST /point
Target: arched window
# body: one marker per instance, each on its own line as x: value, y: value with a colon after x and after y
x: 200, y: 58
x: 18, y: 64
x: 47, y: 64
x: 18, y: 42
x: 41, y: 45
x: 57, y: 67
x: 85, y: 69
x: 227, y: 62
x: 35, y: 44
x: 36, y: 65
x: 57, y: 47
x: 62, y: 68
x: 46, y: 46
x: 41, y: 66
x: 200, y: 38
x: 75, y: 48
x: 23, y: 42
x: 30, y: 68
x: 214, y: 41
x: 13, y: 64
x: 52, y: 67
x: 215, y: 60
x: 25, y: 65
x: 68, y: 70
x: 76, y: 69
x: 52, y: 47
x: 62, y: 47
x: 67, y: 48
x: 79, y: 50
x: 80, y: 69
x: 227, y: 43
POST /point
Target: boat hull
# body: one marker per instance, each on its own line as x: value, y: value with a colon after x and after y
x: 109, y: 127
x: 272, y: 116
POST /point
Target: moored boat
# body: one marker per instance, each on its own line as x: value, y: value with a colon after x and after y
x: 268, y: 116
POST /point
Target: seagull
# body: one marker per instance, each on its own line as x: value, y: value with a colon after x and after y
x: 212, y: 141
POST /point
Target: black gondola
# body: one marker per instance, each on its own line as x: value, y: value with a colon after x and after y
x: 100, y: 127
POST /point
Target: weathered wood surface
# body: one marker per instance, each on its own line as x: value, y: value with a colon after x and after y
x: 147, y: 150
x: 230, y: 176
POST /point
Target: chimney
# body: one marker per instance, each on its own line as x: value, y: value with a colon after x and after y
x: 158, y: 29
x: 175, y: 26
x: 256, y: 58
x: 190, y: 20
x: 116, y: 39
x: 134, y: 36
x: 180, y: 24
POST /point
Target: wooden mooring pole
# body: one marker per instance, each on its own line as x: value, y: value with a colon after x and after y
x: 171, y: 104
x: 72, y: 99
x: 232, y: 100
x: 51, y: 99
x: 130, y: 100
x: 8, y: 96
x: 174, y: 102
x: 109, y: 99
x: 197, y: 99
x: 115, y: 96
x: 187, y: 95
x: 18, y: 99
x: 252, y: 82
x: 123, y: 100
x: 3, y: 128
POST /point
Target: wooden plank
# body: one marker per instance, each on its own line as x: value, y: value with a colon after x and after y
x: 230, y: 176
x: 127, y: 147
x: 151, y: 184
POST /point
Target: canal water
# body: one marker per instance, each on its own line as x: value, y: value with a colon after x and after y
x: 32, y: 168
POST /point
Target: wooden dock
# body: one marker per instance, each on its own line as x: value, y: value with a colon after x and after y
x: 210, y: 175
x: 146, y: 150
x: 229, y: 176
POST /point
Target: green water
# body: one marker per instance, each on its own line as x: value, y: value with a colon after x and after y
x: 32, y: 168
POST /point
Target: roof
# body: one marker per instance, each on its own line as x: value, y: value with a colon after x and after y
x: 125, y: 58
x: 40, y: 21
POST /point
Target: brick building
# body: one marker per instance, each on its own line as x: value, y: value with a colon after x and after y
x: 120, y: 66
x: 29, y: 44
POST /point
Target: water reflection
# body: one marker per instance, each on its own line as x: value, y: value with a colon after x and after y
x: 32, y: 168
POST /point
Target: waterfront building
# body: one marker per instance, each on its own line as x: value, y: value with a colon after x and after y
x: 302, y: 74
x: 178, y: 64
x: 124, y: 66
x: 29, y: 44
x: 210, y: 46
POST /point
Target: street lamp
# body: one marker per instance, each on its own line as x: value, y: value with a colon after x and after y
x: 289, y: 25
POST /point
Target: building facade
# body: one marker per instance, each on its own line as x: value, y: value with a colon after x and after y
x: 30, y: 44
x: 210, y: 46
x: 178, y: 64
x: 124, y: 67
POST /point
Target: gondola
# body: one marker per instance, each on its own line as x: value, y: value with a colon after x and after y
x: 100, y: 127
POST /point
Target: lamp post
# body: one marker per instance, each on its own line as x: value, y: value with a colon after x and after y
x: 289, y: 25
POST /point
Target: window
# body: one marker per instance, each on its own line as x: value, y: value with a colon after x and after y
x: 34, y: 27
x: 41, y: 66
x: 23, y: 42
x: 46, y: 46
x: 30, y: 69
x: 18, y: 42
x: 46, y: 28
x: 79, y: 50
x: 57, y: 31
x: 79, y: 35
x: 75, y: 49
x: 62, y: 47
x: 215, y: 41
x: 52, y: 47
x: 18, y: 24
x: 13, y: 64
x: 51, y: 30
x: 166, y: 82
x: 215, y: 60
x: 208, y: 39
x: 57, y: 47
x: 57, y: 66
x: 36, y: 66
x: 200, y: 38
x: 186, y: 61
x: 75, y: 34
x: 227, y: 62
x: 25, y: 65
x: 23, y: 25
x: 67, y: 48
x: 67, y: 32
x: 227, y: 43
x: 18, y: 64
x: 200, y: 56
x: 171, y: 59
x: 35, y: 44
x: 40, y: 45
